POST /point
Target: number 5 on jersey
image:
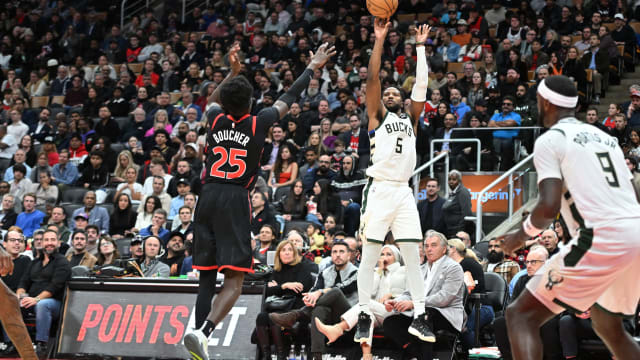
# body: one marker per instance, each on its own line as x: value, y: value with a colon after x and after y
x: 233, y: 158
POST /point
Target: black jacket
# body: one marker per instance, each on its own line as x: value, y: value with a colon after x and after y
x: 266, y: 216
x: 301, y: 272
x: 9, y: 219
x: 51, y: 277
x: 20, y: 266
x: 433, y: 221
x: 602, y: 61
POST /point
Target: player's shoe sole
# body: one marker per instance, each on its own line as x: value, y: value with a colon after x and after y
x: 195, y: 346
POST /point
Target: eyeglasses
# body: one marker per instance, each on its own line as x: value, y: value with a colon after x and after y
x: 533, y: 262
x: 14, y: 240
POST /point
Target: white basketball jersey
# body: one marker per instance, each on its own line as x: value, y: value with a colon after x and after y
x: 597, y: 182
x: 393, y: 149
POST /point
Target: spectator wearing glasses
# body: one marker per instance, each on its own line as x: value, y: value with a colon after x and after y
x: 503, y: 139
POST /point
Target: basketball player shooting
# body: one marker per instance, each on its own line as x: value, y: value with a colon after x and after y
x: 10, y: 314
x: 581, y: 174
x: 222, y: 223
x: 388, y: 202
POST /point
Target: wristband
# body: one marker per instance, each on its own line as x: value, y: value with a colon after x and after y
x: 529, y: 228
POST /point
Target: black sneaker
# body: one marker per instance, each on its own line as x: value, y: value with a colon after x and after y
x: 420, y: 329
x: 364, y: 328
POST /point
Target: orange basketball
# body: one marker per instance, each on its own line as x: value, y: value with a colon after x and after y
x: 382, y: 9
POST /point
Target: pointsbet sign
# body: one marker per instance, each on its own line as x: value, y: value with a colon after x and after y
x: 123, y: 323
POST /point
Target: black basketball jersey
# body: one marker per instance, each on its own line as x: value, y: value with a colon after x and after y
x: 234, y: 147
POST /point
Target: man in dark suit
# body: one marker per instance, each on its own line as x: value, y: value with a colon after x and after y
x: 598, y: 62
x: 430, y: 209
x: 7, y: 215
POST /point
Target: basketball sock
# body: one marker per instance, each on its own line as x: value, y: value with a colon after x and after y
x: 207, y: 328
x: 370, y: 256
x: 410, y: 255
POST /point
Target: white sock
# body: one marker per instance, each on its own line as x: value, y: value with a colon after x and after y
x: 410, y: 254
x: 370, y: 256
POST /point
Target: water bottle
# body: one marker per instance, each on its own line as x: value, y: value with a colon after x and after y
x: 303, y: 353
x: 292, y: 352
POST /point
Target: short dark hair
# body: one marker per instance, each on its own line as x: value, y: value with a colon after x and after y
x: 20, y: 167
x: 236, y: 96
x: 92, y: 226
x: 562, y: 85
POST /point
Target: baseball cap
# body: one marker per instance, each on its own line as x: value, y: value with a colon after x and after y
x: 462, y: 22
x: 193, y: 146
x: 635, y: 92
x: 176, y: 233
x: 183, y: 181
x: 619, y: 16
x: 48, y: 139
x: 135, y: 240
x: 81, y: 216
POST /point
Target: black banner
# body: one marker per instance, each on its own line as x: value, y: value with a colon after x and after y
x: 145, y: 323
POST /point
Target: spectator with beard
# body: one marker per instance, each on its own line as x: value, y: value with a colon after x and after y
x: 42, y: 287
x: 321, y: 171
x: 542, y: 72
x: 458, y: 107
x: 79, y: 256
x: 430, y: 209
x: 511, y: 82
x: 621, y: 131
x: 348, y: 184
x: 497, y: 263
x: 528, y: 112
x: 175, y: 253
x: 503, y: 139
x: 457, y: 206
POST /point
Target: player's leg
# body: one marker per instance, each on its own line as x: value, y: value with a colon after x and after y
x: 206, y: 291
x: 11, y: 318
x: 227, y: 297
x: 524, y: 318
x: 407, y: 233
x: 377, y: 214
x: 610, y: 329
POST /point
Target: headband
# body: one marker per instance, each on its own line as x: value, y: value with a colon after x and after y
x: 556, y: 98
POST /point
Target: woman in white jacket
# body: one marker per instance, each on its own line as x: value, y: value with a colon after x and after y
x: 389, y: 281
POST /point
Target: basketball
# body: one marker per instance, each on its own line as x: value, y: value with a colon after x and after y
x: 382, y: 9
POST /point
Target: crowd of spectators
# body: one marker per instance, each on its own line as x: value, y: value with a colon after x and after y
x: 102, y: 127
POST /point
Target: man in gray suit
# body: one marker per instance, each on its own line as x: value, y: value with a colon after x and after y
x: 444, y: 287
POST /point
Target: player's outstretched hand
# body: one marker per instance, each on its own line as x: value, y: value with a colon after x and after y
x: 381, y: 28
x: 422, y: 34
x: 234, y: 61
x: 322, y: 55
x: 511, y: 242
x: 6, y: 263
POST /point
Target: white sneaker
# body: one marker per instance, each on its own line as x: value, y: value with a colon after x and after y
x: 197, y: 344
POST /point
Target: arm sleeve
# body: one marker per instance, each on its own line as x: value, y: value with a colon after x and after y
x: 548, y: 154
x: 301, y: 83
x: 419, y: 92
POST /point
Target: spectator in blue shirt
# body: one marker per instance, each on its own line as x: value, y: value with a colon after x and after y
x: 457, y: 106
x: 157, y: 227
x: 20, y: 157
x: 448, y: 49
x: 503, y: 139
x: 64, y: 172
x: 97, y: 215
x: 183, y: 187
x: 30, y: 219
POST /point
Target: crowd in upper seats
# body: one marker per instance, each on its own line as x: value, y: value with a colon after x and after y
x: 118, y: 115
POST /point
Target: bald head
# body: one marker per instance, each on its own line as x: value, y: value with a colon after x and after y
x: 549, y: 239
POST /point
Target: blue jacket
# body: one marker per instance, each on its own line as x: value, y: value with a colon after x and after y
x: 163, y: 234
x: 98, y: 216
x: 452, y: 51
x: 30, y: 222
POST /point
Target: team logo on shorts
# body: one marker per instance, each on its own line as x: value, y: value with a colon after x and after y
x: 553, y: 279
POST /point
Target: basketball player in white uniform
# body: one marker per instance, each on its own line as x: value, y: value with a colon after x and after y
x: 387, y: 202
x: 581, y: 173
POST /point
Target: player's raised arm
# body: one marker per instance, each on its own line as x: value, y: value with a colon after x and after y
x: 419, y: 92
x: 375, y: 110
x: 302, y: 82
x: 235, y: 70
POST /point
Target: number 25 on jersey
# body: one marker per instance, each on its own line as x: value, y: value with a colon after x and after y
x: 234, y: 158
